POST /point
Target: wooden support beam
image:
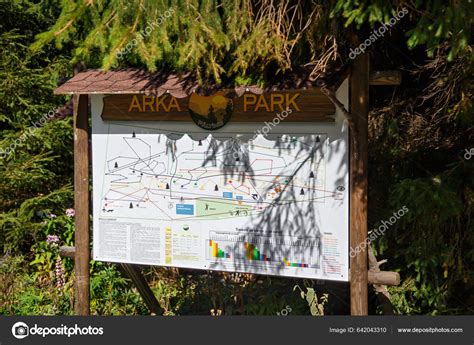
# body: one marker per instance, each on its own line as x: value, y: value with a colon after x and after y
x: 81, y: 204
x: 134, y: 273
x: 67, y: 252
x: 359, y: 99
x: 384, y: 278
x: 385, y: 78
x: 379, y: 282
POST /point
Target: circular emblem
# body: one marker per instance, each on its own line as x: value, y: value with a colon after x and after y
x: 210, y: 112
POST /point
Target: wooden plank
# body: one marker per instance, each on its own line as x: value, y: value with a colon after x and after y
x: 385, y: 78
x: 312, y: 106
x: 309, y: 105
x: 359, y: 88
x: 67, y: 252
x: 384, y: 278
x: 380, y: 282
x: 134, y: 273
x: 81, y: 204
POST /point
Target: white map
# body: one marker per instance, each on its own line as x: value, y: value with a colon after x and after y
x: 209, y: 179
x: 273, y: 205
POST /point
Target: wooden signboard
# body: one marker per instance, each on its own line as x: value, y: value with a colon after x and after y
x: 307, y: 105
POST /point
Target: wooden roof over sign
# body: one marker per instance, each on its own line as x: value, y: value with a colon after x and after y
x: 135, y: 94
x: 132, y: 81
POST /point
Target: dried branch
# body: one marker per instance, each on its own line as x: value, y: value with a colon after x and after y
x: 382, y: 292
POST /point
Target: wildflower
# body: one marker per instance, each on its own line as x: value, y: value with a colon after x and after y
x: 51, y: 215
x: 70, y: 212
x: 59, y: 272
x: 52, y: 240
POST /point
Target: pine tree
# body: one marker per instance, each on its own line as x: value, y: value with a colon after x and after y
x: 35, y: 148
x: 241, y: 40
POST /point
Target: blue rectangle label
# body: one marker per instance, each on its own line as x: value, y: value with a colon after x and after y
x: 186, y: 209
x: 227, y: 195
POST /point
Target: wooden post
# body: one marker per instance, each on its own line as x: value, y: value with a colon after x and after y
x: 134, y: 273
x: 81, y: 204
x: 359, y: 98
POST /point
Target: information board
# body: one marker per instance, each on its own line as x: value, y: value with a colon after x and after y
x: 172, y: 194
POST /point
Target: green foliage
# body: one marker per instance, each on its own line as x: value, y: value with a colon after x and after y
x: 362, y: 12
x: 111, y: 293
x: 35, y: 164
x: 45, y: 255
x: 173, y: 295
x: 440, y: 233
x: 432, y: 246
x: 22, y: 294
x: 433, y: 22
x: 316, y: 305
x: 227, y: 39
x: 44, y: 261
x: 22, y: 225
